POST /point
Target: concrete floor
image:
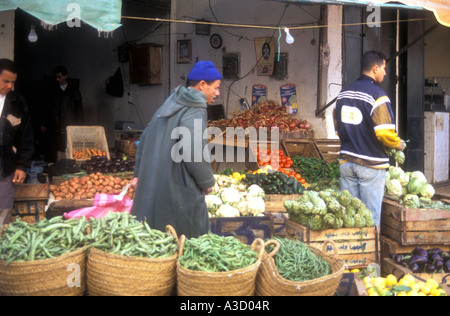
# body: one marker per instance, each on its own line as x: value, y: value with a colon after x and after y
x: 442, y: 189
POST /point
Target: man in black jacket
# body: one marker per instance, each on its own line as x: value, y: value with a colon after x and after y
x: 16, y: 135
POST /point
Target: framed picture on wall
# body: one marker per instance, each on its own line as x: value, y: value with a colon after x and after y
x: 184, y: 52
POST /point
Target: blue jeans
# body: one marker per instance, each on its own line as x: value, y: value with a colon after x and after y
x: 366, y: 184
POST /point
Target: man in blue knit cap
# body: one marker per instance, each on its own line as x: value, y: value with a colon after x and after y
x: 170, y: 190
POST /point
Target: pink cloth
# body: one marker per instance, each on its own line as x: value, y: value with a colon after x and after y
x: 103, y: 204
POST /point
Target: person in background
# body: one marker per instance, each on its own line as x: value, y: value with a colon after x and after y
x: 66, y: 109
x: 365, y: 125
x: 16, y: 135
x: 169, y: 190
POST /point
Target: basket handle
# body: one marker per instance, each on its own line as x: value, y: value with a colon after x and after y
x: 181, y: 242
x: 258, y: 242
x: 277, y: 245
x: 333, y: 244
x: 172, y: 231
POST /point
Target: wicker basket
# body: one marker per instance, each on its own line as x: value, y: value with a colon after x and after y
x: 240, y: 282
x: 117, y: 275
x: 48, y: 277
x: 270, y: 283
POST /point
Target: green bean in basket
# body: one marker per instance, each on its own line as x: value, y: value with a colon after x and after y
x: 213, y: 253
x: 122, y: 234
x: 46, y: 239
x: 296, y: 262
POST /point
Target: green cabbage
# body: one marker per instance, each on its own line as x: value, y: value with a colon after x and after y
x: 420, y: 175
x: 427, y: 191
x: 395, y: 172
x: 394, y: 187
x: 415, y: 185
x: 400, y: 157
x: 411, y: 201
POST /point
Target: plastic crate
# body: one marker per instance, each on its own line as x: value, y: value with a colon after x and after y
x: 82, y: 137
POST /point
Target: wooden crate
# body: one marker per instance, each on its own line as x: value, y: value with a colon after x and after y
x: 81, y: 137
x: 359, y: 289
x: 275, y: 202
x: 246, y: 229
x: 279, y: 221
x: 389, y: 246
x: 329, y: 149
x: 300, y: 147
x: 125, y: 146
x: 58, y: 208
x: 357, y: 247
x: 29, y: 211
x: 31, y: 192
x: 390, y: 267
x: 415, y: 226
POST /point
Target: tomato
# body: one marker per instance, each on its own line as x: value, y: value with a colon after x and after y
x: 302, y: 181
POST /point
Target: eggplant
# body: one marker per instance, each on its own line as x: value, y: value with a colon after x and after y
x: 439, y: 265
x: 430, y: 268
x: 436, y: 250
x: 419, y: 251
x: 420, y: 260
x: 447, y: 267
x: 435, y: 257
x: 415, y: 268
x: 397, y: 258
x: 445, y: 255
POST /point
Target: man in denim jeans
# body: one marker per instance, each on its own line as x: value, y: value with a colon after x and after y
x: 366, y: 127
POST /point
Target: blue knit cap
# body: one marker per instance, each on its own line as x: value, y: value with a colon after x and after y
x: 204, y: 70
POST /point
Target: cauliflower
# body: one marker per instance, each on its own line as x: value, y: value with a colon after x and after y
x: 255, y: 191
x: 231, y: 196
x: 213, y: 202
x: 256, y: 206
x: 227, y: 211
x: 243, y: 208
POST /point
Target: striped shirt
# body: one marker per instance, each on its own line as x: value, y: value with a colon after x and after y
x: 365, y: 124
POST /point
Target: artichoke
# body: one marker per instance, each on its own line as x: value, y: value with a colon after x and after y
x: 315, y: 223
x: 306, y: 207
x: 360, y: 222
x: 289, y: 205
x: 349, y: 221
x: 333, y: 205
x: 329, y: 220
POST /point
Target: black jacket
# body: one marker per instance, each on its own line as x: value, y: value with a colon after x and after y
x: 16, y: 135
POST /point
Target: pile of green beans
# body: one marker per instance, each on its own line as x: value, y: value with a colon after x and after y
x: 296, y: 262
x: 121, y: 233
x: 213, y: 253
x: 45, y: 239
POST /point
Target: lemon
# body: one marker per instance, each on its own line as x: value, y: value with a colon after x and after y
x: 438, y: 292
x: 355, y: 271
x: 421, y: 294
x: 402, y: 293
x: 346, y: 271
x: 372, y: 292
x: 410, y: 279
x: 412, y: 293
x: 391, y: 281
x: 416, y: 287
x: 404, y: 282
x: 432, y: 284
x: 379, y: 282
x: 425, y: 290
x: 368, y: 282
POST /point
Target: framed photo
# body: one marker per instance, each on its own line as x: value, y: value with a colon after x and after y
x: 265, y: 55
x: 184, y: 52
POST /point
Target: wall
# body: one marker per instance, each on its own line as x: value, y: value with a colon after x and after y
x: 303, y: 55
x: 437, y: 62
x: 93, y: 59
x: 7, y: 34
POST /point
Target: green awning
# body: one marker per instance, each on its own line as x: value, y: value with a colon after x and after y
x: 104, y: 15
x: 440, y: 8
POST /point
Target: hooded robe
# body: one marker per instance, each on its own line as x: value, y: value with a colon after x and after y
x: 169, y: 191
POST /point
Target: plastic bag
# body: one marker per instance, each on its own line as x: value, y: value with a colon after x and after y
x: 103, y: 204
